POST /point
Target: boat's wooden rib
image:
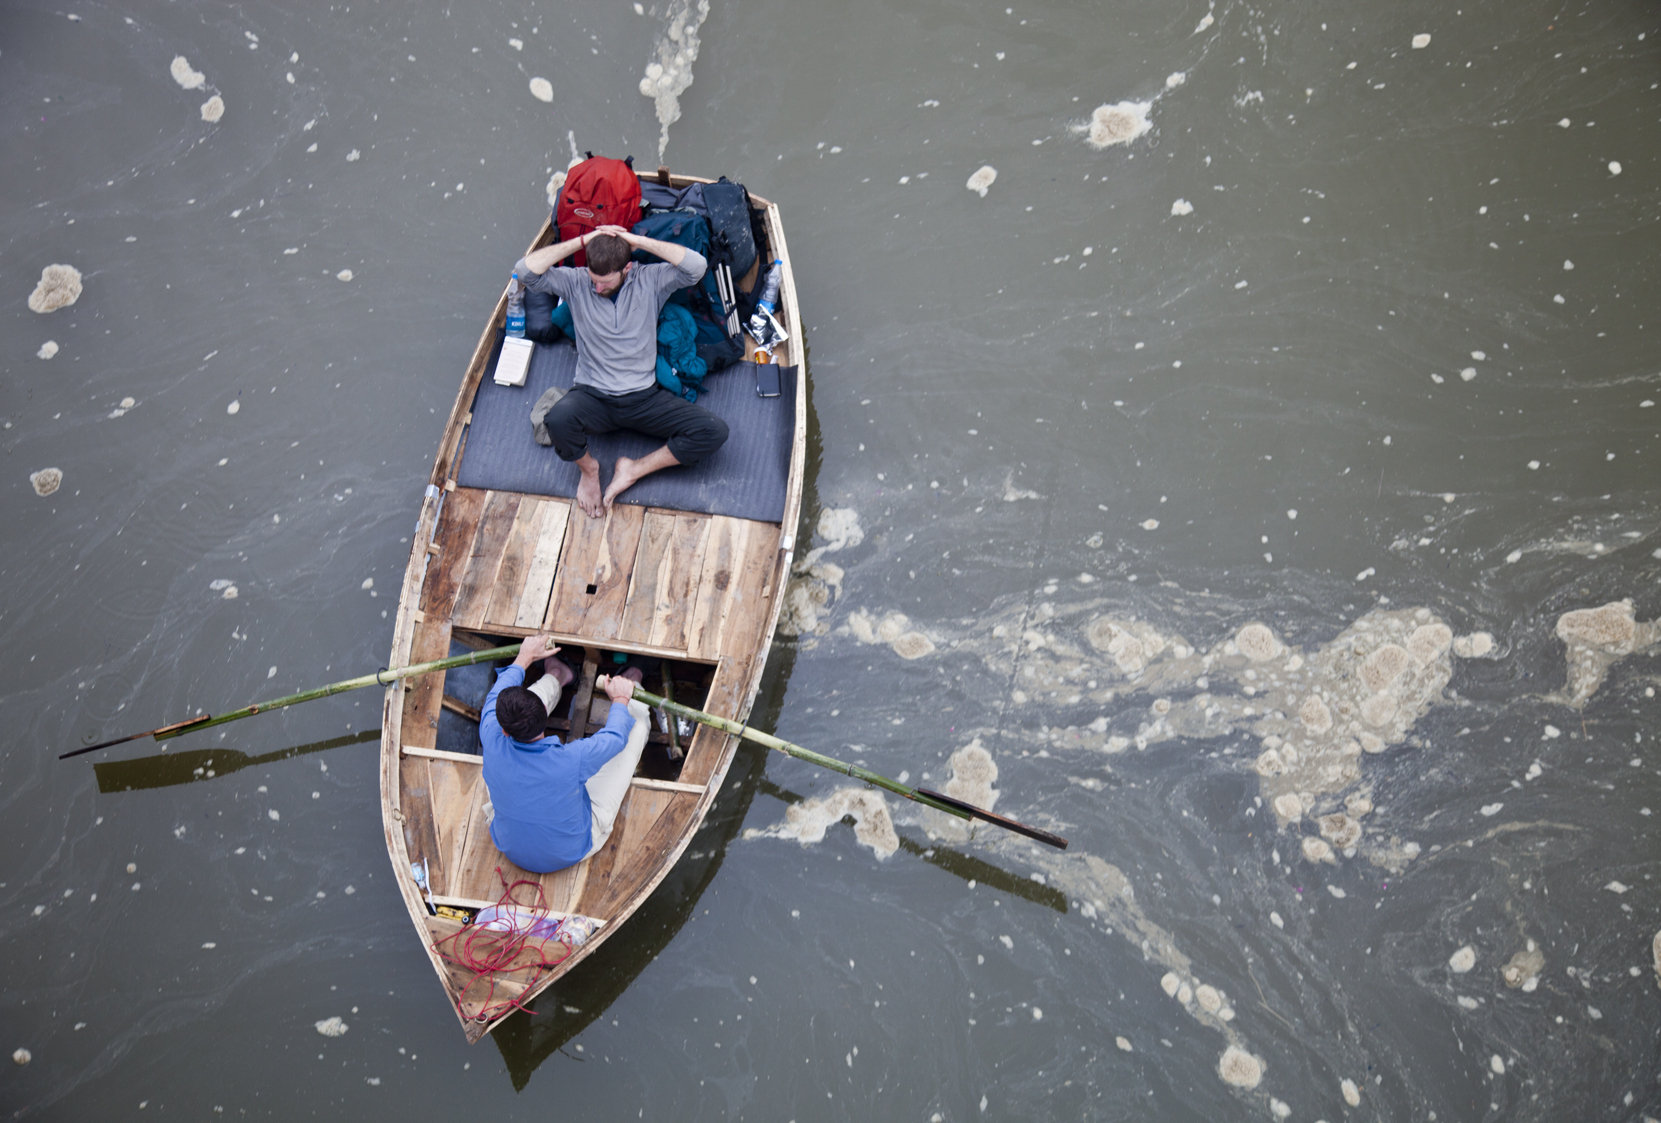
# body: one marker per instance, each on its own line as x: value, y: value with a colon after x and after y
x: 700, y: 591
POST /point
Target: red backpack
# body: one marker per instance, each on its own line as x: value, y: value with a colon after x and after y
x: 597, y: 192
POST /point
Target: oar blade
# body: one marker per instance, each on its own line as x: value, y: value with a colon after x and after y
x: 1008, y: 824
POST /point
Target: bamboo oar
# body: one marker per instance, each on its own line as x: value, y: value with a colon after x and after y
x: 936, y: 800
x: 917, y: 795
x: 379, y: 678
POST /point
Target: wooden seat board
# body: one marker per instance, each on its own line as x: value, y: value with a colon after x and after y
x: 420, y: 832
x: 458, y: 796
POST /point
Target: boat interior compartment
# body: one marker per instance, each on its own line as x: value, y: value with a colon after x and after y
x: 582, y: 707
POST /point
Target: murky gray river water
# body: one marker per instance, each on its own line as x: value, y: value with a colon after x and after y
x: 1237, y: 492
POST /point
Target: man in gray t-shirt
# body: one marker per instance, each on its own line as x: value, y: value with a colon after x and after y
x: 615, y: 303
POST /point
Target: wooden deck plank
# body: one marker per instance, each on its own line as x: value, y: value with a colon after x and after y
x: 539, y: 580
x: 592, y: 585
x: 661, y: 597
x: 452, y: 543
x: 724, y: 549
x: 502, y: 603
x: 495, y: 525
x: 735, y: 588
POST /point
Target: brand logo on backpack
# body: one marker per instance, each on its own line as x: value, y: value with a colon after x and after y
x: 582, y: 212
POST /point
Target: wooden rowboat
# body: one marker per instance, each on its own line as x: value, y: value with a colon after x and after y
x: 681, y: 579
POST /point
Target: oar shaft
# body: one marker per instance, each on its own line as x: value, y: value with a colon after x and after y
x: 929, y: 799
x: 379, y: 678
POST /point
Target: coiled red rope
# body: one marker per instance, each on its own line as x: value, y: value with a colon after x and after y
x: 519, y: 937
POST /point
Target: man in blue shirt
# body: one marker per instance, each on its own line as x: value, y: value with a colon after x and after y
x: 615, y: 304
x: 554, y: 804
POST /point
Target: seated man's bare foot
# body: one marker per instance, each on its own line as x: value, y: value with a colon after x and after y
x: 623, y: 477
x: 588, y: 495
x: 557, y: 667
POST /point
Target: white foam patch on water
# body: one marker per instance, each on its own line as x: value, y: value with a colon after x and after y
x: 1013, y: 494
x: 213, y: 109
x: 840, y: 528
x: 1172, y: 81
x: 1596, y: 639
x: 982, y: 180
x: 1421, y: 41
x: 1182, y: 207
x: 1119, y: 123
x: 344, y: 275
x: 59, y: 287
x: 816, y: 584
x: 1462, y: 960
x: 670, y: 72
x: 183, y: 74
x: 1315, y: 715
x: 47, y: 349
x: 1103, y: 896
x: 46, y: 481
x: 893, y: 629
x: 331, y: 1027
x: 1477, y: 645
x: 542, y: 89
x: 807, y: 821
x: 1240, y: 1068
x: 808, y: 598
x: 1522, y: 970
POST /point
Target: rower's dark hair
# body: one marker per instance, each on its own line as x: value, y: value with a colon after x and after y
x: 607, y: 254
x: 521, y: 713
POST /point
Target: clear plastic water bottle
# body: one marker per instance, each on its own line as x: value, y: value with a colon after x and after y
x: 516, y: 309
x: 767, y: 303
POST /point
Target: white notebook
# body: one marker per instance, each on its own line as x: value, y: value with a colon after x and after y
x: 514, y: 363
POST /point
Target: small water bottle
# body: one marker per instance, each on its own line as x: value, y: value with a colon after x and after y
x: 516, y: 309
x: 767, y: 303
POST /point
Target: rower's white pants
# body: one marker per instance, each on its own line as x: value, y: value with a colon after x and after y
x: 607, y: 787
